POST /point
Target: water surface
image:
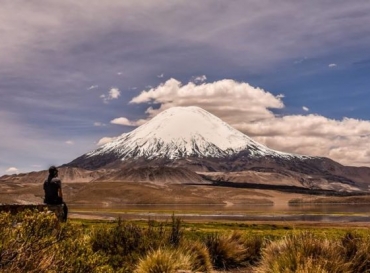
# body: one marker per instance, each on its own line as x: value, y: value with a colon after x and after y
x: 311, y: 212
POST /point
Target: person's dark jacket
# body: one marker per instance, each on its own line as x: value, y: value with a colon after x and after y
x: 51, y: 189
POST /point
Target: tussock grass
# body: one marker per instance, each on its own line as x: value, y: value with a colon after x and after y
x: 356, y: 250
x: 227, y: 251
x: 199, y: 256
x: 303, y: 252
x: 253, y: 245
x: 164, y: 261
x: 234, y: 250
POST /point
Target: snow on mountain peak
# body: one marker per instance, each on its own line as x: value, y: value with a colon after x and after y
x: 181, y: 132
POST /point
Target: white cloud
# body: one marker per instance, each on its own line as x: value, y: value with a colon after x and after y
x: 69, y: 142
x: 12, y: 170
x: 247, y: 109
x: 160, y: 76
x: 122, y: 121
x: 98, y: 124
x: 126, y: 122
x: 345, y: 141
x: 119, y: 73
x: 200, y: 79
x: 113, y: 94
x: 332, y: 65
x: 92, y: 87
x: 105, y: 140
x: 305, y: 108
x: 226, y: 98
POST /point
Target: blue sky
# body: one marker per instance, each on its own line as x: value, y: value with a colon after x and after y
x: 294, y: 75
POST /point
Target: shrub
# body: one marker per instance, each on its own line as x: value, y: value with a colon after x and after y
x: 253, y: 246
x: 176, y: 231
x: 34, y: 241
x: 227, y: 251
x: 125, y: 243
x: 356, y: 250
x: 199, y: 256
x: 164, y: 261
x: 25, y: 240
x: 78, y: 255
x: 305, y: 253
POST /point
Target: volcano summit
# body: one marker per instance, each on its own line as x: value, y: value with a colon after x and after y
x: 193, y: 139
x: 178, y: 133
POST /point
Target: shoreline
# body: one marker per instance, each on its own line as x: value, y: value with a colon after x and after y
x: 335, y: 219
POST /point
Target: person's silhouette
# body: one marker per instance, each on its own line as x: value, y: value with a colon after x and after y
x: 53, y: 191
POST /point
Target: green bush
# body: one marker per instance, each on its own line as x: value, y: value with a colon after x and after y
x: 125, y: 243
x: 303, y: 252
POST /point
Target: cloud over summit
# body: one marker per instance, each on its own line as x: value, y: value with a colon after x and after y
x: 226, y: 98
x: 250, y: 110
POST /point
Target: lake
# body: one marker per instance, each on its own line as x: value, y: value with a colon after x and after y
x: 311, y: 212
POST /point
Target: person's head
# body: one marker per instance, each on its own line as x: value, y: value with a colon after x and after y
x: 53, y: 171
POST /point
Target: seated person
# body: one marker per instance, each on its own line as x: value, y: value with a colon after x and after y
x: 53, y: 191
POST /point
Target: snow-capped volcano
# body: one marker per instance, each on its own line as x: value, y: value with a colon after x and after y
x: 190, y: 139
x: 183, y: 132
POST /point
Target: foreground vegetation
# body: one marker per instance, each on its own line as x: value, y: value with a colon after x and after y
x: 38, y: 242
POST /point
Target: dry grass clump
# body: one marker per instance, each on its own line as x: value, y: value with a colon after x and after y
x: 199, y: 256
x: 253, y: 246
x: 164, y: 261
x: 304, y: 253
x: 356, y: 250
x: 227, y: 251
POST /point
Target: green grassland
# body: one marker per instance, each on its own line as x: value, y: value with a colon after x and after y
x: 263, y: 229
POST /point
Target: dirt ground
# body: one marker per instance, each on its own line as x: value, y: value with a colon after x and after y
x: 110, y: 200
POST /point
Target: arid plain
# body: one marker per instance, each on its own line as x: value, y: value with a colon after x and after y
x: 199, y: 200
